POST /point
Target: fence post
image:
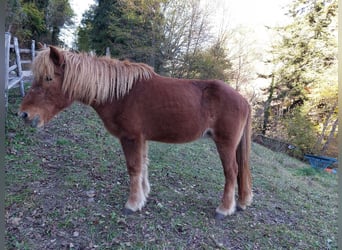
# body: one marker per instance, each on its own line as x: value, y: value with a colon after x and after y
x: 33, y: 50
x: 107, y: 52
x: 7, y: 55
x: 18, y: 61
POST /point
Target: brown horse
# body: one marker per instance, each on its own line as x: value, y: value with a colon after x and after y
x: 137, y: 105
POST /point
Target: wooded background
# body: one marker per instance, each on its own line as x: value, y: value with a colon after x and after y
x: 176, y: 37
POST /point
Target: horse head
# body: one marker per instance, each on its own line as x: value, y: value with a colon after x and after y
x: 45, y: 98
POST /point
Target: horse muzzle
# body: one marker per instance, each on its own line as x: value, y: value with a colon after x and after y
x: 35, y: 122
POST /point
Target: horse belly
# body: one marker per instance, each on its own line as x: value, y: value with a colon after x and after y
x: 174, y: 123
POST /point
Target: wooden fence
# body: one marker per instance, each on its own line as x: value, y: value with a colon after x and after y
x: 273, y: 144
x: 14, y: 64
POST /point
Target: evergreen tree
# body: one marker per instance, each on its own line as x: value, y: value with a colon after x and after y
x: 307, y: 50
x: 39, y: 20
x: 84, y: 30
x: 58, y: 14
x: 170, y: 35
x: 305, y: 62
x: 131, y: 30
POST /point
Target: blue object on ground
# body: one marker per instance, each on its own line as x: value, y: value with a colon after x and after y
x: 321, y: 162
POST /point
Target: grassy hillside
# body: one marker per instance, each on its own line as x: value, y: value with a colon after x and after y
x: 66, y: 185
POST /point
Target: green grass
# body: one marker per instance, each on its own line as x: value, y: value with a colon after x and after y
x: 49, y: 172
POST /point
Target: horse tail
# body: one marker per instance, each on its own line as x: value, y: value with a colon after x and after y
x: 244, y: 178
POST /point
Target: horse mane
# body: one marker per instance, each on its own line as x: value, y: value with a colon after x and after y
x: 88, y: 78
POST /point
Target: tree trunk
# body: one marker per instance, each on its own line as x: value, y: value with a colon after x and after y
x: 54, y: 35
x: 325, y: 126
x: 331, y: 136
x: 267, y: 108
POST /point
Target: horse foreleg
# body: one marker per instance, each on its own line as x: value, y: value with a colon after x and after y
x: 133, y: 150
x: 230, y: 168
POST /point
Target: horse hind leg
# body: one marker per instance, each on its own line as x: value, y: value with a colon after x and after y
x: 133, y: 150
x: 244, y: 178
x: 145, y: 182
x: 230, y: 169
x: 244, y: 189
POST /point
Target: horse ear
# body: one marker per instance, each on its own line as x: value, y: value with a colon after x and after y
x: 56, y: 56
x: 40, y: 45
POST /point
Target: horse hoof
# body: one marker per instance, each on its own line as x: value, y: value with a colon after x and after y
x: 127, y: 211
x: 240, y: 209
x: 219, y: 216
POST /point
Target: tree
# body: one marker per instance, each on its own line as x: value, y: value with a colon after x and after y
x: 130, y: 29
x: 211, y: 63
x: 307, y: 50
x: 186, y: 31
x: 38, y: 20
x: 148, y: 29
x: 323, y: 110
x: 25, y: 20
x: 58, y: 14
x: 242, y: 54
x: 305, y: 63
x: 171, y: 35
x: 84, y: 42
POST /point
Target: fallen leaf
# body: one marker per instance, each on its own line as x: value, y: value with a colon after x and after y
x: 90, y: 193
x: 15, y: 221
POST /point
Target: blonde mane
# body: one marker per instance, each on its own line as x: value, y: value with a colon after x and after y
x: 88, y: 78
